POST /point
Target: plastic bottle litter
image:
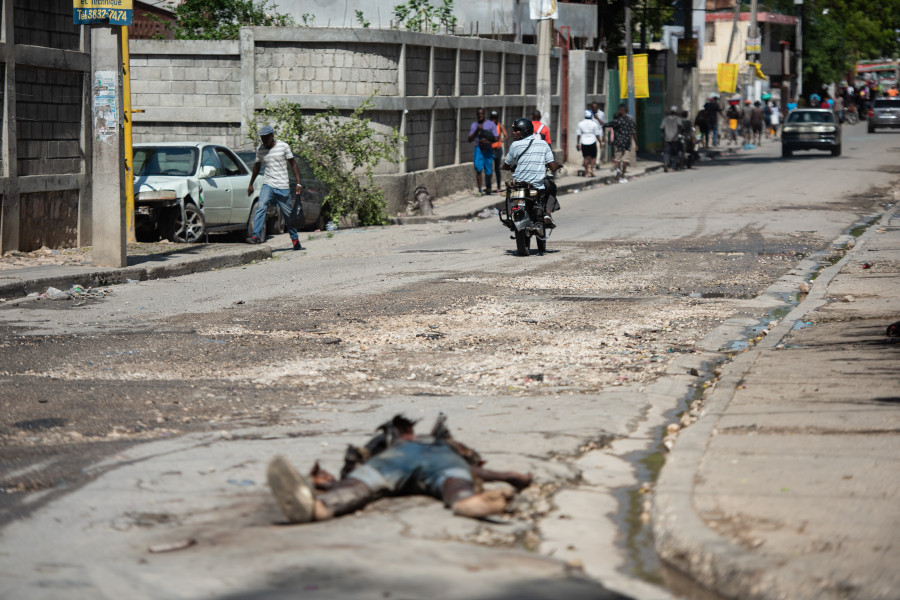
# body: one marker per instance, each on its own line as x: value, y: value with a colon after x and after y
x: 54, y: 294
x: 330, y: 226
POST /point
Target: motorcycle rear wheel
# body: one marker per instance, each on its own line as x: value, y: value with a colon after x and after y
x: 523, y: 243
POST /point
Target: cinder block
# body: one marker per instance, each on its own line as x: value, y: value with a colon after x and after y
x: 206, y: 87
x: 323, y: 74
x: 340, y: 88
x: 328, y: 87
x: 315, y: 87
x: 184, y: 87
x: 230, y: 87
x: 302, y: 59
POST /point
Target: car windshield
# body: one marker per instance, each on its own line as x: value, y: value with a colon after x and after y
x: 165, y: 160
x: 885, y: 103
x: 810, y: 117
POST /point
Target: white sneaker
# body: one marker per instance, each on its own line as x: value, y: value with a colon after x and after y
x: 293, y: 493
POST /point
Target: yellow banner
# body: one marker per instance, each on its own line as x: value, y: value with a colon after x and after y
x: 641, y: 79
x: 726, y: 77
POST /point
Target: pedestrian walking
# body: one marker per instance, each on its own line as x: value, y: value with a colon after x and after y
x: 776, y: 120
x: 734, y: 118
x: 746, y: 113
x: 624, y: 138
x: 276, y: 156
x: 702, y: 124
x: 713, y: 110
x: 689, y: 139
x: 671, y: 130
x: 483, y: 133
x: 497, y: 147
x: 600, y: 117
x: 541, y: 131
x: 587, y: 140
x: 757, y: 122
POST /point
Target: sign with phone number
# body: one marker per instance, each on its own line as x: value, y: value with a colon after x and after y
x: 115, y: 12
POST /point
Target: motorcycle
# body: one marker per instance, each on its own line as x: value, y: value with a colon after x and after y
x: 851, y: 117
x: 524, y: 216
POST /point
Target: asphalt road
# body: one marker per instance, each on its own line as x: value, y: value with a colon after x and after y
x: 156, y: 407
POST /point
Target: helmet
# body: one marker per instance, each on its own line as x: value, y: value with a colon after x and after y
x: 524, y: 125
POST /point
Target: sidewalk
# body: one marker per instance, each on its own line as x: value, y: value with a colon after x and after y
x: 468, y: 206
x: 788, y: 485
x: 37, y: 271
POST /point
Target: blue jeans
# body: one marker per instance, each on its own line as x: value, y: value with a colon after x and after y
x: 266, y: 195
x: 412, y: 467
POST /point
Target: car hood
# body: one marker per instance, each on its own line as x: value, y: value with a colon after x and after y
x: 182, y: 186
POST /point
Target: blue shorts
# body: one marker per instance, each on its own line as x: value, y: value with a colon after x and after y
x: 484, y: 161
x: 412, y: 467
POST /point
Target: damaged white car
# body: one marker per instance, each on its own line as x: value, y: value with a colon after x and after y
x: 184, y: 191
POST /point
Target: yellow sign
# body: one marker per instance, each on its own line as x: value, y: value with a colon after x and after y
x: 641, y: 79
x: 117, y: 12
x: 758, y: 68
x: 726, y: 77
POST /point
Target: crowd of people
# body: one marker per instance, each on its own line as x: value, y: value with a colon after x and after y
x: 733, y: 122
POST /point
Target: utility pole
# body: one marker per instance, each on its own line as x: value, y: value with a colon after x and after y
x: 629, y: 58
x: 799, y: 47
x: 754, y: 34
x: 687, y: 93
x: 545, y: 33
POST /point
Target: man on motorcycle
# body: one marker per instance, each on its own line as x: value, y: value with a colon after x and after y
x: 530, y: 157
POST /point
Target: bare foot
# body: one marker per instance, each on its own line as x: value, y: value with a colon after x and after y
x: 486, y: 503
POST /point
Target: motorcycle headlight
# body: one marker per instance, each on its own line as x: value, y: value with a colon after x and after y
x: 517, y: 194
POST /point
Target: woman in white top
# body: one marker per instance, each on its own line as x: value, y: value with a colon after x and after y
x: 589, y: 134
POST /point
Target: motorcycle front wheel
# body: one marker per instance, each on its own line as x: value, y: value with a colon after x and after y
x: 523, y: 243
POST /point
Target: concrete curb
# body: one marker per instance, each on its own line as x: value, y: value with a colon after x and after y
x: 97, y: 277
x: 565, y: 188
x: 682, y: 538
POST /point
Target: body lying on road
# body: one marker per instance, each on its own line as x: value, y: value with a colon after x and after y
x: 395, y: 462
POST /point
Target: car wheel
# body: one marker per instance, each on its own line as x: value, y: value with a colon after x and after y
x: 276, y: 224
x: 786, y: 151
x: 191, y: 230
x: 248, y: 231
x: 836, y: 151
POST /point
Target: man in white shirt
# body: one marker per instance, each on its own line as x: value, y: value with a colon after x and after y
x: 275, y: 155
x: 587, y: 140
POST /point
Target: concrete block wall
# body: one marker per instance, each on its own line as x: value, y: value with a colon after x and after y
x: 49, y: 120
x: 417, y: 70
x: 492, y: 69
x: 46, y: 23
x: 323, y: 68
x: 49, y: 219
x: 46, y: 134
x: 444, y: 138
x: 468, y: 73
x: 444, y: 71
x: 192, y: 81
x: 512, y: 81
x: 428, y: 86
x: 418, y: 134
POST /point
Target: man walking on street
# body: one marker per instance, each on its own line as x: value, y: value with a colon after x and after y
x: 497, y: 147
x: 671, y: 129
x: 484, y: 134
x: 624, y: 135
x: 275, y: 155
x: 713, y: 110
x: 757, y: 122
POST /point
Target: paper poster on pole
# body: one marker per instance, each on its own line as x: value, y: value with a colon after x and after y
x: 106, y: 121
x: 726, y: 77
x: 641, y: 79
x: 543, y: 9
